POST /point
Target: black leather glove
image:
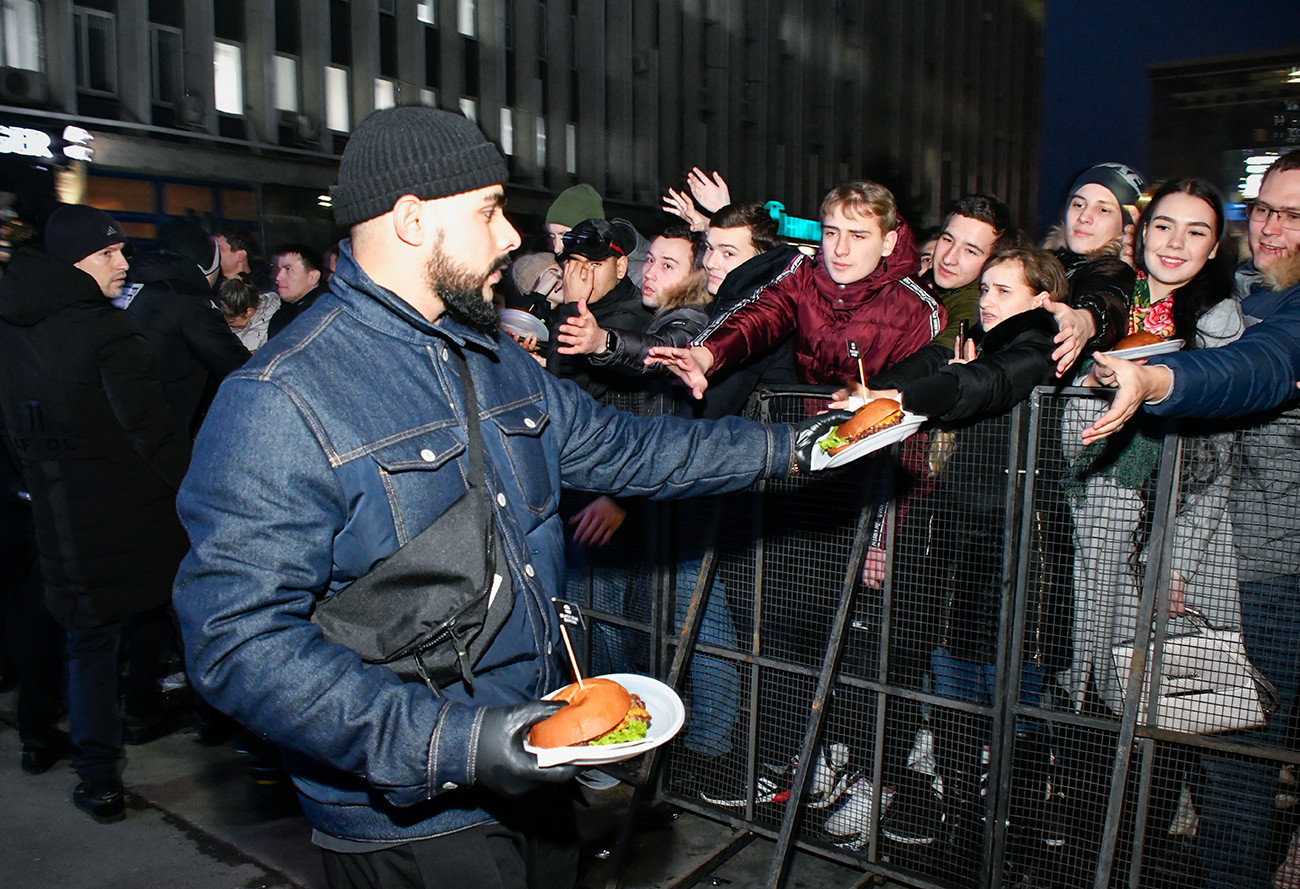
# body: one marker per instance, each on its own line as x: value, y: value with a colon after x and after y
x: 501, y: 763
x: 806, y: 433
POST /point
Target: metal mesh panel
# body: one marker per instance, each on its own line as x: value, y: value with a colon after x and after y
x: 989, y: 724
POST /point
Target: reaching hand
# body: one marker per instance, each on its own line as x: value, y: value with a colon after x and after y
x: 581, y: 335
x: 806, y: 433
x: 596, y: 522
x: 873, y: 568
x: 692, y: 365
x: 1077, y: 326
x: 681, y: 204
x: 710, y: 193
x: 1135, y: 384
x: 500, y: 762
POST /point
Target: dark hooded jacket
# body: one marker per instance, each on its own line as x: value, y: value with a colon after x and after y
x: 887, y: 313
x: 100, y: 448
x: 195, y: 347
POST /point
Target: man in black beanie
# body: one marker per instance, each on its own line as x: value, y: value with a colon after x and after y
x: 392, y: 420
x: 170, y: 291
x: 103, y: 455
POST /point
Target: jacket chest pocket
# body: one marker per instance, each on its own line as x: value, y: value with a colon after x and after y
x: 419, y: 478
x: 520, y: 428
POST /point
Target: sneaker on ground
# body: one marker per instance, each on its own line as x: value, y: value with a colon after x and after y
x: 830, y: 776
x: 913, y: 824
x: 771, y: 786
x: 854, y: 817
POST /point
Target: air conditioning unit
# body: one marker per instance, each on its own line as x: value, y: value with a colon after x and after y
x: 18, y: 86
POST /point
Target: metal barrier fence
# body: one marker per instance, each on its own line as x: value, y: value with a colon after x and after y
x: 931, y: 665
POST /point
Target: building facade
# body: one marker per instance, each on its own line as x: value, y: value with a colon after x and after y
x: 237, y: 110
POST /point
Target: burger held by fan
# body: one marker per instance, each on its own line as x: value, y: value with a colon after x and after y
x: 598, y: 712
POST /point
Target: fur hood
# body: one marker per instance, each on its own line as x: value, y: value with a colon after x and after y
x: 1055, y: 241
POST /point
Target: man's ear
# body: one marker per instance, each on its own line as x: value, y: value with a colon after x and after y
x: 620, y: 268
x: 891, y: 241
x: 408, y: 220
x: 313, y: 275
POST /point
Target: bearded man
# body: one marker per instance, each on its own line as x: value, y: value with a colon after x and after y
x: 371, y: 420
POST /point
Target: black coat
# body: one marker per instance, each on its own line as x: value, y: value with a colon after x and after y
x: 960, y: 525
x: 189, y: 335
x: 288, y: 311
x: 619, y: 309
x: 99, y: 446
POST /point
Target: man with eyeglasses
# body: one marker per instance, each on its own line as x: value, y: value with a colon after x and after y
x: 1260, y: 370
x: 1257, y: 373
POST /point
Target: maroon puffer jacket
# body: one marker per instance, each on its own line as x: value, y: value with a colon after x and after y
x: 888, y: 313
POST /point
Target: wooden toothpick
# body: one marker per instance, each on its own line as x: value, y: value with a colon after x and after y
x: 573, y: 661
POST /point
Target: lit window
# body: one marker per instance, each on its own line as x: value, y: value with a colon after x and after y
x: 228, y: 77
x: 427, y: 12
x: 336, y: 99
x: 469, y: 108
x: 23, y: 37
x: 540, y: 137
x: 508, y: 131
x: 385, y: 93
x: 465, y: 17
x: 571, y: 148
x: 286, y: 83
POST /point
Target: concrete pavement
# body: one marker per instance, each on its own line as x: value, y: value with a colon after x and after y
x: 197, y: 820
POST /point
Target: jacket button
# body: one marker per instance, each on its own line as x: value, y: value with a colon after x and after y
x: 427, y: 455
x: 501, y: 499
x: 528, y: 569
x: 530, y: 422
x: 444, y: 353
x: 450, y: 785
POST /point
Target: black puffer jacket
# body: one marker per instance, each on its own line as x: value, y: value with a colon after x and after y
x: 195, y: 347
x: 620, y: 309
x: 1102, y: 285
x: 100, y: 448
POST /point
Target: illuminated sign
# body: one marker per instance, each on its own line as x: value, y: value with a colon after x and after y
x: 28, y: 143
x: 1254, y: 168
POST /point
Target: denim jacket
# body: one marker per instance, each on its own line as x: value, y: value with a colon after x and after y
x: 339, y: 441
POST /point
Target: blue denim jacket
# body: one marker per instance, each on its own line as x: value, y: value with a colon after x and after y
x: 341, y: 440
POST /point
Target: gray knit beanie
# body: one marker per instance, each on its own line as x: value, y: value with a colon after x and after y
x: 413, y: 150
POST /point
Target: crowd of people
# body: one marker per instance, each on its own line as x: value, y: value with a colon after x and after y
x: 208, y: 451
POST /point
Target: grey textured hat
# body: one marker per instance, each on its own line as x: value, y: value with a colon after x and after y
x: 413, y: 150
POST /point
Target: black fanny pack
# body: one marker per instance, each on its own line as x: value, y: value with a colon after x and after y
x: 430, y: 610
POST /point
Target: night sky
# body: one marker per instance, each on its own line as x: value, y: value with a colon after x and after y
x: 1096, y: 100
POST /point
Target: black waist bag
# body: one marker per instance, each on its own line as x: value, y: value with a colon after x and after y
x: 430, y: 610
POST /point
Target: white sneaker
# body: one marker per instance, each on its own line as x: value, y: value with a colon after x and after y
x: 854, y: 817
x: 830, y: 776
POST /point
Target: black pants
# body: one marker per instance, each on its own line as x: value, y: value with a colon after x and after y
x: 539, y: 854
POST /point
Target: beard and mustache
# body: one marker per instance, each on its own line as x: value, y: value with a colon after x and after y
x: 461, y: 290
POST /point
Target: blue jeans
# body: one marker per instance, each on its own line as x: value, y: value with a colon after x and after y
x: 1237, y: 809
x: 93, y: 719
x: 714, y: 682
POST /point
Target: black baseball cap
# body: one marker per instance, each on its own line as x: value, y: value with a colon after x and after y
x: 599, y: 239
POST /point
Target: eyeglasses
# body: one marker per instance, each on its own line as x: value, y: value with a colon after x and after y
x: 1288, y: 219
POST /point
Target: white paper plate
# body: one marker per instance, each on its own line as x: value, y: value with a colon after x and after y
x: 667, y: 716
x: 520, y: 323
x: 869, y: 445
x: 1149, y: 351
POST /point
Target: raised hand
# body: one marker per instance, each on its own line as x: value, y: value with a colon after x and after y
x: 681, y: 204
x: 711, y: 193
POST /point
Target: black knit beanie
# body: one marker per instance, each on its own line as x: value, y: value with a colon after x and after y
x: 186, y: 239
x: 74, y: 231
x: 1125, y: 183
x: 413, y: 150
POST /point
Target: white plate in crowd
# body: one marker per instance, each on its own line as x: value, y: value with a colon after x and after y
x: 901, y: 430
x: 1147, y: 351
x: 520, y: 323
x: 667, y: 716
